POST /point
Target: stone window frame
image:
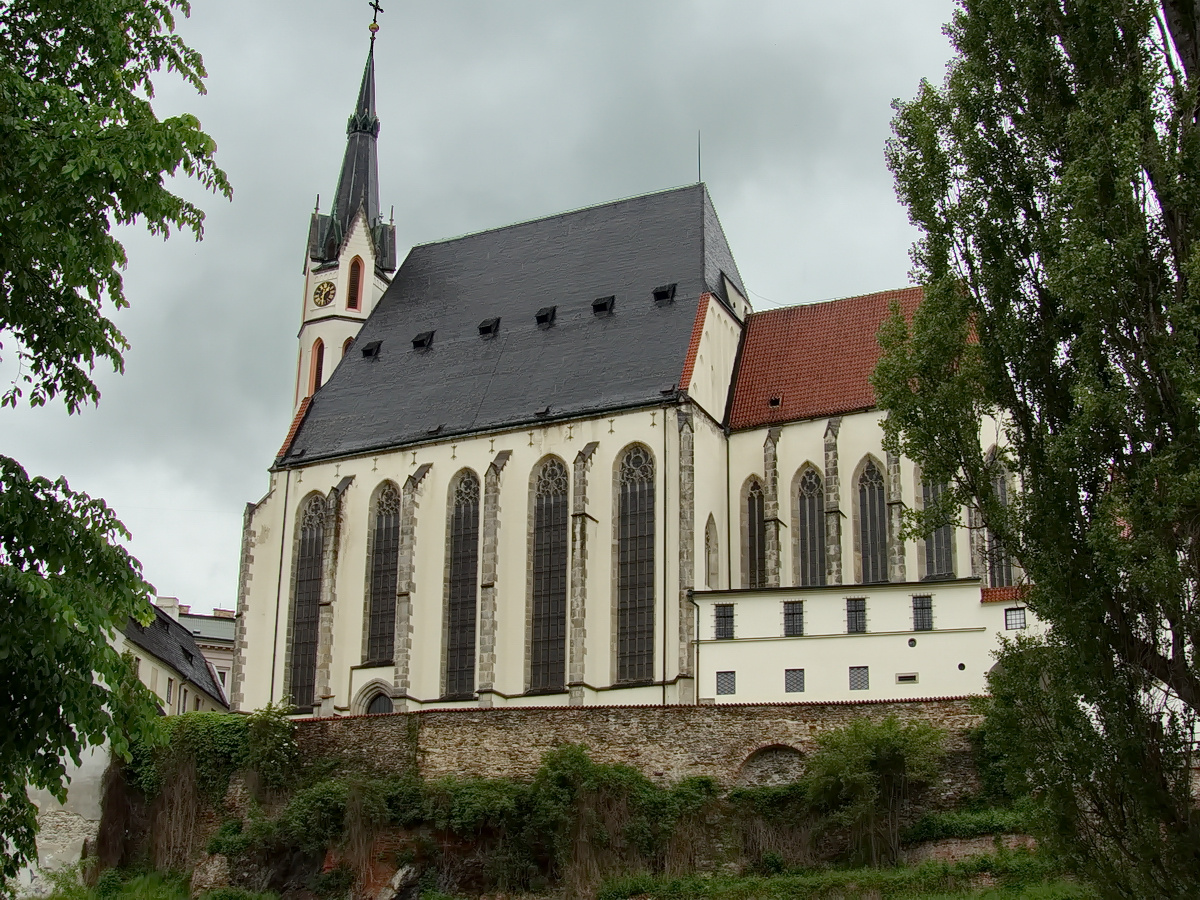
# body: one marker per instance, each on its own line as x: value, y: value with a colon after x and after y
x: 923, y: 491
x: 369, y: 577
x: 712, y: 554
x: 751, y: 530
x: 366, y: 694
x: 313, y: 497
x: 531, y: 579
x: 449, y: 690
x: 883, y: 531
x: 621, y: 663
x: 799, y: 532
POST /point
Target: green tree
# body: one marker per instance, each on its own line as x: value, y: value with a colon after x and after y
x: 81, y: 150
x: 1055, y: 176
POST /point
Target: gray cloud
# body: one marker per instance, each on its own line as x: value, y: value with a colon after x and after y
x: 493, y: 112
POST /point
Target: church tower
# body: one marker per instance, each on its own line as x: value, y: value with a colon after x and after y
x: 351, y: 251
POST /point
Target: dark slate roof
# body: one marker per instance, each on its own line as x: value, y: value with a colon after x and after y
x: 174, y: 645
x: 583, y: 364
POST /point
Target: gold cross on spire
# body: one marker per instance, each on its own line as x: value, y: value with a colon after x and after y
x: 374, y: 26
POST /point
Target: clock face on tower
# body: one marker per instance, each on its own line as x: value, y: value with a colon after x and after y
x: 323, y: 295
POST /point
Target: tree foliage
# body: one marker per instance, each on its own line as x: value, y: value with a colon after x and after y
x: 81, y: 151
x: 1055, y: 176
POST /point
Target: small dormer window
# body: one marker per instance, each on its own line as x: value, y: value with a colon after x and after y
x: 775, y: 402
x: 489, y: 327
x: 423, y: 341
x: 664, y: 295
x: 545, y: 316
x: 603, y: 306
x: 370, y: 349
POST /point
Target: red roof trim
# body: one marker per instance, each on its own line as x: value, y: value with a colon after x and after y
x: 689, y: 362
x: 1013, y: 594
x: 291, y: 435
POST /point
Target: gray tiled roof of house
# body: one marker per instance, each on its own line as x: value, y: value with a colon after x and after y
x: 174, y: 644
x: 583, y: 364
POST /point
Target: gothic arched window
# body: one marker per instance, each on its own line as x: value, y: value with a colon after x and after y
x: 354, y: 295
x: 635, y: 566
x: 810, y: 529
x: 306, y: 606
x: 380, y: 704
x: 548, y: 644
x: 1000, y: 565
x: 463, y: 587
x: 385, y: 558
x: 346, y: 345
x: 712, y: 555
x: 316, y: 366
x: 755, y: 531
x: 939, y: 545
x: 872, y: 525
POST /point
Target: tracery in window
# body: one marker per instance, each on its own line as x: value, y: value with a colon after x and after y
x: 810, y: 529
x: 872, y: 524
x: 939, y: 545
x: 385, y: 559
x: 307, y: 602
x: 755, y: 526
x: 548, y: 645
x: 712, y: 555
x: 462, y: 602
x: 635, y: 565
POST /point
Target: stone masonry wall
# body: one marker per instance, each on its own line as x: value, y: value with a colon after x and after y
x: 666, y: 743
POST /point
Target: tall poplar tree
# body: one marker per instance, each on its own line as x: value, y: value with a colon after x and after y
x: 1055, y: 177
x: 81, y: 149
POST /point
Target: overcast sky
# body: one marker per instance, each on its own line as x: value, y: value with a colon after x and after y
x: 493, y: 111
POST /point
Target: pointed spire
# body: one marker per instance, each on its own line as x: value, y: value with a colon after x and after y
x: 364, y: 118
x: 358, y: 184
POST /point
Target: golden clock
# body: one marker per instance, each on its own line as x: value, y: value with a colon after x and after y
x: 323, y: 295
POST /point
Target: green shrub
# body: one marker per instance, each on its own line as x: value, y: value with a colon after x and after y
x: 1016, y: 819
x: 235, y: 893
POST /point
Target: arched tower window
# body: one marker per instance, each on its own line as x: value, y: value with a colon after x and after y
x: 872, y: 524
x: 712, y: 555
x: 1000, y: 564
x: 316, y: 366
x: 385, y: 558
x: 306, y: 605
x: 463, y: 586
x: 548, y: 645
x: 939, y: 545
x: 354, y: 295
x: 810, y: 528
x: 755, y: 531
x: 346, y: 345
x: 635, y: 566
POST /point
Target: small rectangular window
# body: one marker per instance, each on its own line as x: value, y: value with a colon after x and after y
x: 860, y: 678
x: 1014, y: 619
x: 726, y: 683
x: 922, y: 613
x: 196, y: 705
x: 906, y: 678
x: 664, y: 295
x: 137, y: 667
x: 221, y: 673
x: 170, y: 688
x: 793, y: 618
x: 183, y: 694
x: 793, y: 681
x: 856, y: 615
x: 723, y: 621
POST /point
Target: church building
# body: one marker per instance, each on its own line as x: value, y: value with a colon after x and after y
x: 564, y: 462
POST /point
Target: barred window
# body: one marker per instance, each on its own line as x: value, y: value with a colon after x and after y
x: 712, y: 558
x: 548, y: 646
x: 810, y: 529
x: 1000, y: 566
x: 922, y: 613
x: 756, y: 537
x: 793, y: 618
x: 872, y: 525
x: 307, y: 603
x: 723, y: 624
x: 856, y: 615
x: 860, y: 678
x: 635, y: 566
x: 793, y: 681
x: 939, y: 545
x: 726, y: 683
x: 463, y: 587
x: 385, y: 559
x: 1014, y: 619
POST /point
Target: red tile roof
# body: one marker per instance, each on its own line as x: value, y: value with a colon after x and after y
x: 816, y: 359
x: 689, y: 362
x: 287, y: 441
x: 1014, y: 594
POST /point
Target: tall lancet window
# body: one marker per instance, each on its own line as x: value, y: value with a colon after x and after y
x: 1000, y: 564
x: 548, y: 645
x: 810, y: 529
x: 306, y: 605
x: 756, y: 537
x: 872, y: 525
x: 316, y: 366
x: 385, y: 558
x: 939, y: 545
x: 712, y: 555
x: 463, y: 587
x: 354, y: 295
x: 635, y: 566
